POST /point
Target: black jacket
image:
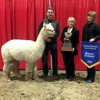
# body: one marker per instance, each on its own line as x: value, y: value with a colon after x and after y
x: 91, y: 30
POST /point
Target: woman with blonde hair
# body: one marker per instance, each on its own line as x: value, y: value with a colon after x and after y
x: 68, y: 56
x: 91, y: 33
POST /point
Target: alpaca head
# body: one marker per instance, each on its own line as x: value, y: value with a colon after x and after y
x: 49, y: 30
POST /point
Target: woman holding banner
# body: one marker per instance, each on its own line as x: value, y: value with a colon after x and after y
x: 91, y: 33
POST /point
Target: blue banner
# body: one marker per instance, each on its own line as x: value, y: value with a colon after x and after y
x: 90, y: 53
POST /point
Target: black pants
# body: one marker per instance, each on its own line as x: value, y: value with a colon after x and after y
x: 53, y: 51
x: 91, y: 73
x: 68, y: 58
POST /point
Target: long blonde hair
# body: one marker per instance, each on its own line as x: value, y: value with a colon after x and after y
x: 94, y: 15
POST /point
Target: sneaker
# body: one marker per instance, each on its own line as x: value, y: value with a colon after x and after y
x: 55, y: 77
x: 90, y: 81
x: 85, y: 79
x: 44, y: 75
x: 71, y: 79
x: 67, y: 77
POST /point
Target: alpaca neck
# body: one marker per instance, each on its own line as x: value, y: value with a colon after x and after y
x: 41, y: 37
x: 40, y: 42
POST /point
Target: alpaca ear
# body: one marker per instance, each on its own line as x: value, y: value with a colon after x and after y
x: 44, y: 25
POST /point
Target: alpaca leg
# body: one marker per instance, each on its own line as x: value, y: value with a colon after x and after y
x: 6, y: 70
x: 35, y: 70
x: 15, y: 69
x: 29, y: 71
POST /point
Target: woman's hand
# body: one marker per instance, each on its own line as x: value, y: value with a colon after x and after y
x: 65, y: 38
x: 73, y: 49
x: 91, y: 40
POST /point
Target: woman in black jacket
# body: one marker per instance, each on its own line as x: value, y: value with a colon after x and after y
x: 91, y: 33
x: 68, y: 56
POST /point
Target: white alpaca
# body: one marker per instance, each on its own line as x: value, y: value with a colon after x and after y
x: 25, y: 50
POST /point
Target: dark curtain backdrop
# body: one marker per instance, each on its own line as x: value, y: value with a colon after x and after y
x: 19, y: 19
